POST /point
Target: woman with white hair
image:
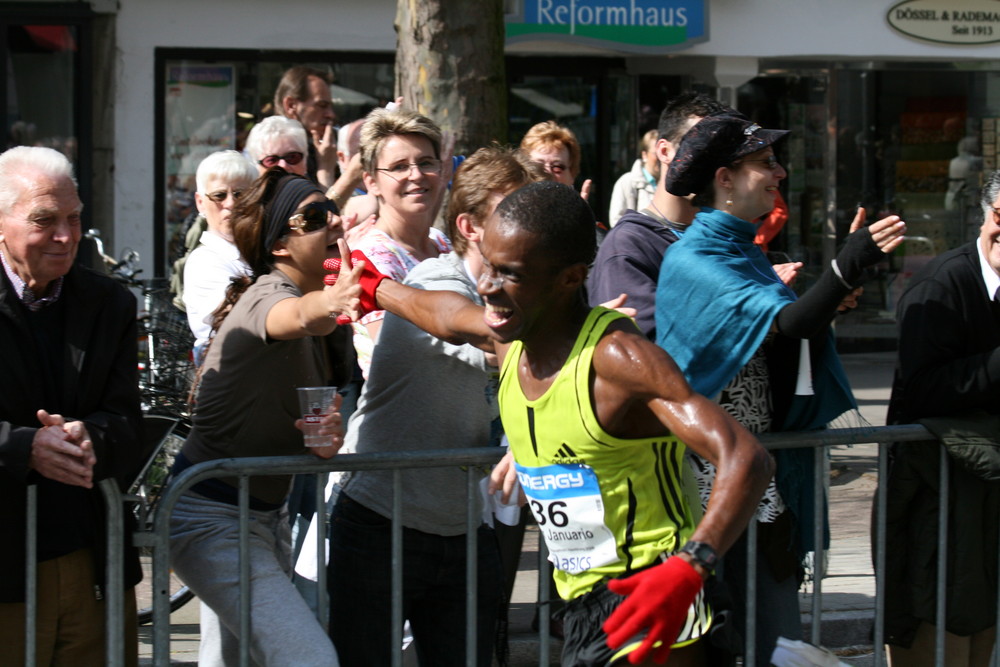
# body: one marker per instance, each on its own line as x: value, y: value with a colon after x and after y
x: 277, y: 141
x: 221, y: 179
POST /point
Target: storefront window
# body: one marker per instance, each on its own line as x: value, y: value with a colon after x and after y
x: 571, y: 101
x: 42, y: 115
x: 916, y: 143
x: 599, y: 108
x: 796, y: 103
x: 210, y: 103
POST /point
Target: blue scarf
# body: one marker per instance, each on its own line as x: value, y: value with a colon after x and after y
x: 716, y: 299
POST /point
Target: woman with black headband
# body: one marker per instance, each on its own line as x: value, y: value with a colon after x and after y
x: 273, y: 336
x: 744, y: 338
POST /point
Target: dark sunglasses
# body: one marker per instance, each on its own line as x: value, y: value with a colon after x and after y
x: 271, y: 160
x: 221, y: 195
x: 313, y: 217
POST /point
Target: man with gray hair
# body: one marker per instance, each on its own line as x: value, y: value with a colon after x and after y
x: 69, y: 414
x: 948, y: 378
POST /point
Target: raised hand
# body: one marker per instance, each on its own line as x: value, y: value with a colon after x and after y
x: 344, y: 295
x: 788, y: 271
x: 362, y: 272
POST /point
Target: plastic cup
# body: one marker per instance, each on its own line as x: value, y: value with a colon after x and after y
x: 315, y: 404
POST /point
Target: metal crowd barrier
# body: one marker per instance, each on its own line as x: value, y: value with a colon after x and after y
x: 471, y: 460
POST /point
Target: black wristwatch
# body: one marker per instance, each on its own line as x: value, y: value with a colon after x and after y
x: 702, y: 554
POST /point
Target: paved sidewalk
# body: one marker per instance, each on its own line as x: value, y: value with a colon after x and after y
x: 848, y: 588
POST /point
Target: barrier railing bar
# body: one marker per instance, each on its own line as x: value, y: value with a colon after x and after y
x: 396, y: 530
x: 472, y: 521
x: 322, y: 608
x: 544, y: 603
x: 845, y: 436
x: 244, y: 564
x: 428, y: 459
x: 996, y: 644
x: 881, y: 505
x: 750, y: 613
x: 942, y: 560
x: 114, y: 589
x: 819, y: 549
x: 31, y: 580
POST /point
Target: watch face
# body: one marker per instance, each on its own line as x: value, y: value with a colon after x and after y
x: 702, y: 553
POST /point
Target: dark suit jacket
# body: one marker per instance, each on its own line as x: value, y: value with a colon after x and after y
x: 949, y: 366
x: 98, y: 385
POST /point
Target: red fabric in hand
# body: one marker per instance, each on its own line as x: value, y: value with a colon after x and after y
x: 369, y: 280
x: 656, y: 600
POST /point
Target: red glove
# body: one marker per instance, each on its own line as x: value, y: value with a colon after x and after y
x: 369, y: 280
x: 657, y: 599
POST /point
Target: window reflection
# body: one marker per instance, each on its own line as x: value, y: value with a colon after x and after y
x: 41, y: 74
x: 212, y: 105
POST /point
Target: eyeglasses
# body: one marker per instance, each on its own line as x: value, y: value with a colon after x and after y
x: 221, y: 196
x: 269, y: 161
x: 771, y: 161
x: 313, y: 217
x: 490, y: 280
x: 427, y: 166
x: 996, y: 213
x: 553, y: 167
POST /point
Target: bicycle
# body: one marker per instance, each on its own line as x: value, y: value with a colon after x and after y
x: 166, y: 370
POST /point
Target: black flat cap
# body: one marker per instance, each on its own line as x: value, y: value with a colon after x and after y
x: 715, y: 141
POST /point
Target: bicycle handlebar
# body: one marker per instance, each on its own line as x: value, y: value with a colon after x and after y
x: 123, y: 270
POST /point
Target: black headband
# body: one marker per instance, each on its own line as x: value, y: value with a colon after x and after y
x: 290, y: 190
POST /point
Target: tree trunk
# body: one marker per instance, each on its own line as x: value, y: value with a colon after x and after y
x: 450, y: 67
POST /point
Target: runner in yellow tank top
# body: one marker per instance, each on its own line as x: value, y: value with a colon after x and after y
x: 629, y: 396
x: 559, y: 446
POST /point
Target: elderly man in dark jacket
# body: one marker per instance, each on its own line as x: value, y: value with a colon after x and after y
x: 69, y: 412
x: 948, y: 378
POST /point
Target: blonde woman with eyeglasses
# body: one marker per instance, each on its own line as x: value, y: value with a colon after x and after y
x: 402, y: 161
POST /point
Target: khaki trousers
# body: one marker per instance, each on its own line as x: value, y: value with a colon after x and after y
x: 70, y: 620
x: 959, y: 651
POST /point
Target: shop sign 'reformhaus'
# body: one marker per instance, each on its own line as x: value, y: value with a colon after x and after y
x: 971, y: 22
x: 635, y: 26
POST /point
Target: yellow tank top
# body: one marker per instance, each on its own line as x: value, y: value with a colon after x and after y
x: 606, y: 506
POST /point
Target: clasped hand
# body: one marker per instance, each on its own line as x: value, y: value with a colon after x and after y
x: 63, y: 451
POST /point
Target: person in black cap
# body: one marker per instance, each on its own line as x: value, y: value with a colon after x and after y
x: 744, y: 338
x: 274, y: 333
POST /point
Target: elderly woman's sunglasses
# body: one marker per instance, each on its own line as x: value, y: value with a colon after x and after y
x: 269, y: 161
x: 313, y: 217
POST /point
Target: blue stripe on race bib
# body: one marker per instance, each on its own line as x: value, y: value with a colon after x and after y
x: 558, y: 481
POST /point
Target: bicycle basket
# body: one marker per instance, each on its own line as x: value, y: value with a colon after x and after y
x: 169, y: 366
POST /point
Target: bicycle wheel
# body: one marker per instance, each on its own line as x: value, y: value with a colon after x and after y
x: 167, y: 433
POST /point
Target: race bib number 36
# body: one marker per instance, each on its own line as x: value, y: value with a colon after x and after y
x: 566, y: 502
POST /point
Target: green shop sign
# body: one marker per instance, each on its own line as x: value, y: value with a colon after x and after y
x: 637, y: 26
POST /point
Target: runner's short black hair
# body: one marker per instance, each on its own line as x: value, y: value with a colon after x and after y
x: 559, y: 216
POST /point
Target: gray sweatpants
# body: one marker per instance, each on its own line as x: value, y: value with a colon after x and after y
x: 204, y: 552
